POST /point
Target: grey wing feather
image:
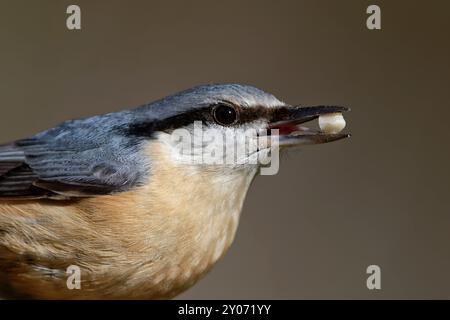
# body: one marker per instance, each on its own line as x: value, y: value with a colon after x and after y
x: 10, y: 158
x: 16, y: 178
x: 77, y: 159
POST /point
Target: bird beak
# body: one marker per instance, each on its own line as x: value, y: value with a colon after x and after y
x: 288, y: 121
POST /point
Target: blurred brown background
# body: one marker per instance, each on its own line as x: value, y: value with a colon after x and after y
x: 381, y: 197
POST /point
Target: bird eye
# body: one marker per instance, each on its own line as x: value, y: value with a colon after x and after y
x: 225, y: 115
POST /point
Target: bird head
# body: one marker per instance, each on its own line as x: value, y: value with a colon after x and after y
x: 231, y: 126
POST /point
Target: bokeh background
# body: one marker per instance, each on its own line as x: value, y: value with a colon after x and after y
x: 381, y: 197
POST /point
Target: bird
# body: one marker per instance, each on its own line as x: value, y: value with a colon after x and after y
x: 113, y: 196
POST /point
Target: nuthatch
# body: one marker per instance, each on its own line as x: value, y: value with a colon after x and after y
x: 111, y: 195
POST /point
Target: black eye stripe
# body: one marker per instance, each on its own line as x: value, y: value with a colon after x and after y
x: 204, y: 114
x: 254, y: 113
x: 147, y: 128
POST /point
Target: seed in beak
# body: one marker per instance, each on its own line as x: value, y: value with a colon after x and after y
x: 331, y: 123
